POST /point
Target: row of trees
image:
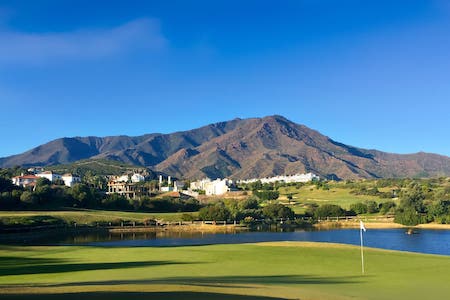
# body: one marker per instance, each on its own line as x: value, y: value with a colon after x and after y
x: 46, y: 195
x: 247, y: 210
x: 416, y: 207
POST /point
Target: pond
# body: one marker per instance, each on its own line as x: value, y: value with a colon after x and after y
x: 424, y: 241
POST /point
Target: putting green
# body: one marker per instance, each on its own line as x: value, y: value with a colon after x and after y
x: 281, y: 270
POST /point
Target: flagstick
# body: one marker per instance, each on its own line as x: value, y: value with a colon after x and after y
x: 362, y: 252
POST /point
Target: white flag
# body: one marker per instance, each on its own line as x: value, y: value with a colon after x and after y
x: 361, y: 226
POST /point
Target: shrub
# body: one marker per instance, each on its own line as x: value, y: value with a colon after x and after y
x: 408, y: 216
x: 266, y: 195
x: 188, y: 217
x: 359, y: 208
x: 329, y: 210
x: 217, y: 212
x: 372, y: 207
x: 387, y: 207
x: 277, y: 211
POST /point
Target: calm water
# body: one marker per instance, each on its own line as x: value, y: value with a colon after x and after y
x: 425, y: 241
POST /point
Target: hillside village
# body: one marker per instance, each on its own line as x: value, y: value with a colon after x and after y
x: 133, y: 185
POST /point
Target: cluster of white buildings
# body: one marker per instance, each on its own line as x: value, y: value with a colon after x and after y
x: 222, y: 186
x: 212, y: 187
x: 31, y: 179
x: 285, y: 178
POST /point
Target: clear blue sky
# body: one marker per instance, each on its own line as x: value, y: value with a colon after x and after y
x: 372, y: 74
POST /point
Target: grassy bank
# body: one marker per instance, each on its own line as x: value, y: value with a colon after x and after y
x: 282, y: 270
x: 86, y: 216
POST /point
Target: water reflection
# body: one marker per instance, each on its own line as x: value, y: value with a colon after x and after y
x: 426, y: 241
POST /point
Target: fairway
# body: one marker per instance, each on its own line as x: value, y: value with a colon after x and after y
x: 311, y: 195
x: 279, y: 270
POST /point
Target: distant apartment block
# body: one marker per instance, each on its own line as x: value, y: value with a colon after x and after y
x: 285, y: 178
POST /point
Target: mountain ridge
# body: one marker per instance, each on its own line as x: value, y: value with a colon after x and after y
x: 240, y: 149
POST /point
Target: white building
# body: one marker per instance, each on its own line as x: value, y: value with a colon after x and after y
x: 137, y: 178
x: 49, y: 175
x: 70, y: 179
x: 123, y: 178
x: 215, y: 187
x: 25, y: 180
x: 178, y: 186
x: 285, y: 178
x: 166, y: 189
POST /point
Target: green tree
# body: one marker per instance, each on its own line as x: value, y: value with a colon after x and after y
x: 277, y: 211
x: 84, y: 195
x: 359, y: 208
x: 249, y: 203
x: 387, y: 207
x: 6, y: 185
x: 408, y: 216
x: 372, y: 207
x: 266, y: 195
x: 411, y: 206
x: 329, y: 210
x: 28, y: 198
x: 217, y: 212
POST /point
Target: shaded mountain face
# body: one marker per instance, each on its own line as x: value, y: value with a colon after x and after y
x: 239, y: 149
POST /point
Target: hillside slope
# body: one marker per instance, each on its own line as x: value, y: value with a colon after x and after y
x: 240, y: 148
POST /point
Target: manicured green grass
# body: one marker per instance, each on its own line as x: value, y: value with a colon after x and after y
x: 335, y: 195
x: 87, y: 216
x: 285, y: 270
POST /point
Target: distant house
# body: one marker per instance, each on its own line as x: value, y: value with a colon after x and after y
x: 49, y: 175
x: 25, y: 180
x: 212, y: 187
x: 166, y: 189
x: 35, y: 170
x: 178, y: 186
x: 70, y: 179
x: 137, y: 178
x: 131, y: 190
x: 123, y: 178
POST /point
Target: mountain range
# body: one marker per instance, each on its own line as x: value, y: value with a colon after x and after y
x: 239, y: 149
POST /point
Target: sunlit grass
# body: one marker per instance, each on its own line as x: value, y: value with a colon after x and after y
x: 88, y: 216
x: 289, y: 270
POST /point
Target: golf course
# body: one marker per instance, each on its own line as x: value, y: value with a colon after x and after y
x: 275, y: 270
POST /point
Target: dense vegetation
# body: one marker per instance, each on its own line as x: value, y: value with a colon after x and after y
x: 412, y: 201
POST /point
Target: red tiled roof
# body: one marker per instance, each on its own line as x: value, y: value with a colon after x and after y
x: 27, y: 177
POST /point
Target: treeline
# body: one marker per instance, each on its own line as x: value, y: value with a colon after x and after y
x: 246, y: 211
x: 417, y: 200
x: 46, y: 195
x: 422, y: 204
x: 332, y: 210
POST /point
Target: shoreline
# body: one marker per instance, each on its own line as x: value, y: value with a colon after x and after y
x: 228, y: 228
x: 376, y: 225
x: 182, y: 228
